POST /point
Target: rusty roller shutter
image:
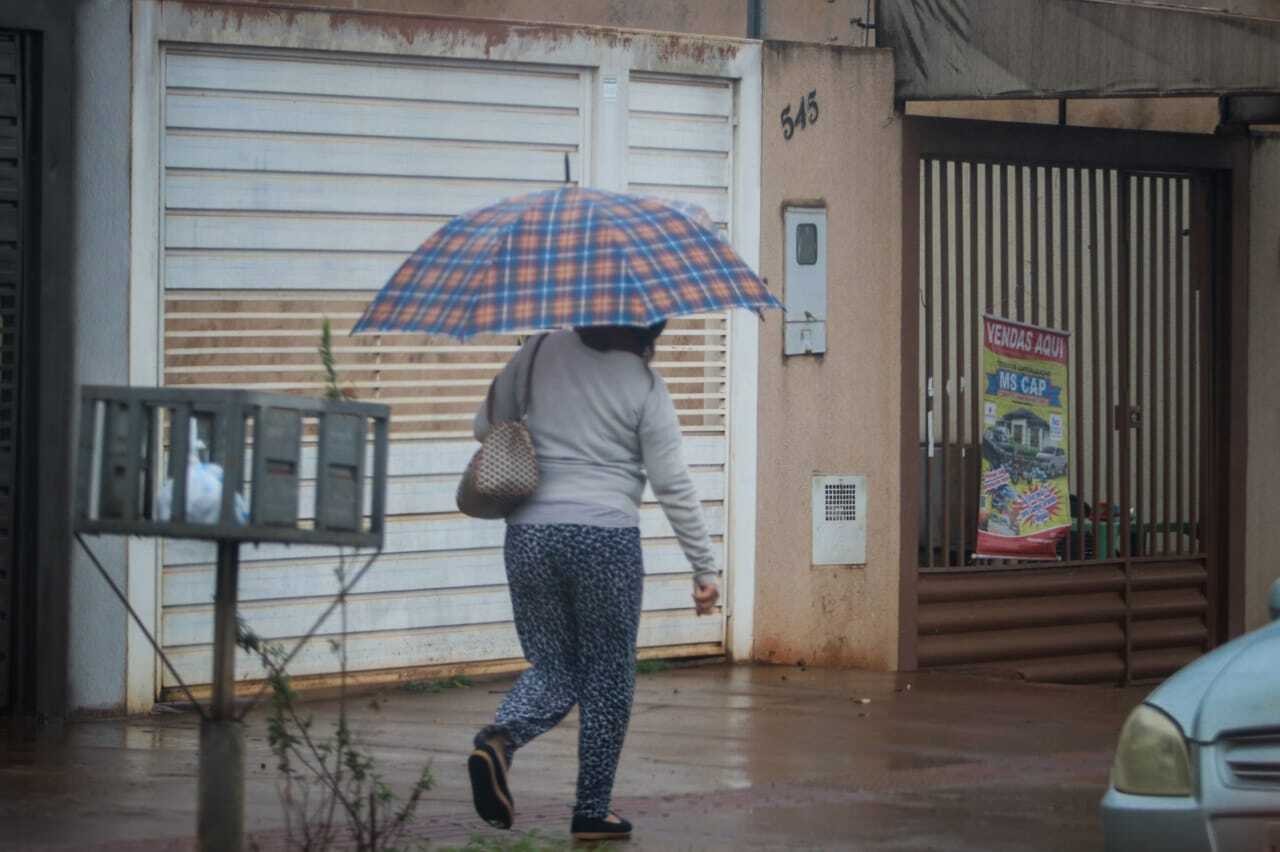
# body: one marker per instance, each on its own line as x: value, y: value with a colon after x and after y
x: 1114, y: 257
x: 11, y: 275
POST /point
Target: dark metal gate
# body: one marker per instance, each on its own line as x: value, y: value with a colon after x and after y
x: 1121, y: 257
x: 12, y: 272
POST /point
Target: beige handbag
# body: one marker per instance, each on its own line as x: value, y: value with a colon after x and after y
x: 504, y: 471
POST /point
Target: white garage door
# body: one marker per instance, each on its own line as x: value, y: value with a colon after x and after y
x: 292, y: 187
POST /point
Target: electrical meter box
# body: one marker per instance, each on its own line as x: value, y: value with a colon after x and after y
x: 806, y: 281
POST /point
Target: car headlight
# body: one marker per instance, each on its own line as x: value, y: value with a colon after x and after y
x: 1152, y: 757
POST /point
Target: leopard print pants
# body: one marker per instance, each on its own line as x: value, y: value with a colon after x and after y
x: 576, y: 592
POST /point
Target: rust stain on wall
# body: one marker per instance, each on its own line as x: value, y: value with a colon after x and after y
x: 235, y: 15
x: 408, y: 28
x: 698, y: 50
x: 835, y: 652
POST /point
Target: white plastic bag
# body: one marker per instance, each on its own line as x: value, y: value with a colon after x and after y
x: 204, y: 490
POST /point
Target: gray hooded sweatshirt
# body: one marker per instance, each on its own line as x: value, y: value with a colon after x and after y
x: 600, y: 422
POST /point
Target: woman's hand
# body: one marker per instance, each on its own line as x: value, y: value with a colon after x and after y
x: 705, y: 598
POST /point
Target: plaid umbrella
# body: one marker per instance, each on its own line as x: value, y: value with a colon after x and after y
x: 565, y: 257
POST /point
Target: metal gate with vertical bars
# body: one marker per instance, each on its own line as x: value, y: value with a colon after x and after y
x: 1119, y: 256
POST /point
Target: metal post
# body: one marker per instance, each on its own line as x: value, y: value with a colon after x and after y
x: 221, y: 810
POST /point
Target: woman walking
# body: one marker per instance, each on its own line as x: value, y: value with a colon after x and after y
x: 602, y: 421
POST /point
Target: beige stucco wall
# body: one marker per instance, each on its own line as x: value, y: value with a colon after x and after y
x: 1024, y: 112
x: 823, y: 21
x: 839, y: 414
x: 1180, y: 115
x: 830, y: 22
x: 1262, y: 548
x: 704, y: 17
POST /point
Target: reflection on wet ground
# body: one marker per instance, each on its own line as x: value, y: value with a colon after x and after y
x: 718, y: 757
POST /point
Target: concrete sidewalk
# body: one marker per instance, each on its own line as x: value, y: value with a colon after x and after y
x: 718, y: 758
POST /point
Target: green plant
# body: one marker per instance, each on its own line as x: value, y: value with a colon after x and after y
x: 332, y: 390
x: 434, y: 687
x: 533, y: 841
x: 645, y: 667
x: 331, y: 792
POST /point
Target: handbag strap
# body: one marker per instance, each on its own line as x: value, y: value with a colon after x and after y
x: 528, y: 379
x: 528, y: 382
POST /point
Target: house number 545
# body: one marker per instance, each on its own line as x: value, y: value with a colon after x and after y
x: 806, y: 114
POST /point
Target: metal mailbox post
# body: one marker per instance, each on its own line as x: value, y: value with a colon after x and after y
x: 259, y: 441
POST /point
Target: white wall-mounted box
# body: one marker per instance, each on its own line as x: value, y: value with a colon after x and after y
x: 839, y: 520
x: 806, y: 281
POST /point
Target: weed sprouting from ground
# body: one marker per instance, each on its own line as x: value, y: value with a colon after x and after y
x: 646, y: 667
x: 331, y: 792
x: 534, y: 841
x: 436, y: 686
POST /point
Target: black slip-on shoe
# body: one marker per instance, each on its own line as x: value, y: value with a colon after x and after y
x: 595, y: 828
x: 489, y: 789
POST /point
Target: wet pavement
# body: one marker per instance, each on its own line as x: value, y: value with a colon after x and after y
x: 718, y: 757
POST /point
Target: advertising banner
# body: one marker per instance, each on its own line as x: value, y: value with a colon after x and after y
x: 1024, y: 509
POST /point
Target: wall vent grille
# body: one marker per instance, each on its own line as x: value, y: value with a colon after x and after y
x: 839, y: 520
x: 841, y: 501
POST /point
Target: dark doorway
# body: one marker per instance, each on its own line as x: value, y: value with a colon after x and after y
x: 18, y: 250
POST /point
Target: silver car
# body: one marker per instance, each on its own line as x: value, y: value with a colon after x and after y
x: 1053, y: 460
x: 1197, y: 767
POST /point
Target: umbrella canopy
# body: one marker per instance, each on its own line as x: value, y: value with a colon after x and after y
x: 565, y: 257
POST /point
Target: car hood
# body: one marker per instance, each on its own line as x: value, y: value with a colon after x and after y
x: 1235, y: 687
